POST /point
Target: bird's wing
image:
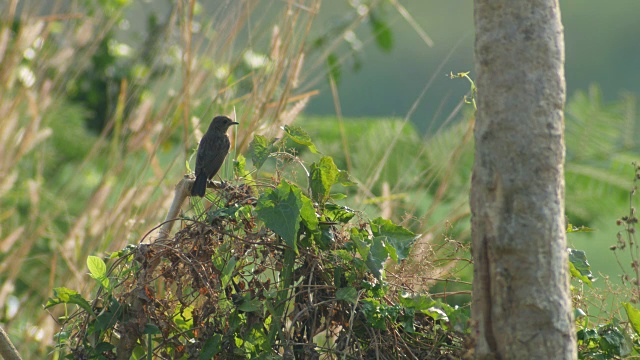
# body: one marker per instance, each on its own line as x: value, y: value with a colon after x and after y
x: 216, y: 156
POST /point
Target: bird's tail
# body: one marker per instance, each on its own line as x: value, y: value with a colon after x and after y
x: 199, y: 186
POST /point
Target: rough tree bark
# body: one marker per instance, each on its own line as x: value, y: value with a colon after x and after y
x: 521, y: 299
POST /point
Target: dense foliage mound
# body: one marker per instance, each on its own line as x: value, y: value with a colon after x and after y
x: 267, y: 271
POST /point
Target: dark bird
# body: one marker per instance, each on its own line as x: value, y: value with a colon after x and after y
x: 212, y: 150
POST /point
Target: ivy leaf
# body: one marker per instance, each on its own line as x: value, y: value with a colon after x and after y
x: 300, y: 136
x: 400, y: 238
x: 260, y: 149
x: 280, y: 210
x: 322, y: 176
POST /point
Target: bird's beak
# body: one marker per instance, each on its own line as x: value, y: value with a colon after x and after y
x: 234, y: 123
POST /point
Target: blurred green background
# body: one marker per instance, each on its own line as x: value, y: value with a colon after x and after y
x: 99, y: 113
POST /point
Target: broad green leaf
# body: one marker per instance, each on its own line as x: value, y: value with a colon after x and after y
x: 98, y: 270
x: 227, y: 272
x: 97, y: 267
x: 250, y: 305
x: 183, y: 317
x: 108, y: 318
x: 338, y: 213
x: 634, y: 316
x: 211, y: 347
x: 436, y: 313
x: 260, y: 149
x: 63, y: 295
x: 279, y: 209
x: 325, y: 238
x: 300, y: 136
x: 322, y: 176
x: 415, y: 301
x: 240, y: 168
x: 612, y: 341
x: 378, y: 254
x: 151, y: 329
x: 103, y: 347
x: 361, y: 245
x: 307, y: 211
x: 579, y: 266
x: 348, y: 294
x: 344, y: 178
x: 395, y: 235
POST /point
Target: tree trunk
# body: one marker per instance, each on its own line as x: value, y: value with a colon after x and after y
x: 521, y: 299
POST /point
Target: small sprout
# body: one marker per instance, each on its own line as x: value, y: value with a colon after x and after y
x: 613, y: 247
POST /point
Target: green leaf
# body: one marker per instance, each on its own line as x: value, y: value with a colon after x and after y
x: 300, y: 136
x: 361, y: 245
x: 397, y: 236
x: 239, y: 167
x: 322, y: 176
x: 378, y: 254
x: 280, y: 210
x: 98, y: 270
x: 108, y: 318
x: 613, y: 342
x: 183, y: 317
x: 633, y: 315
x: 63, y: 295
x: 335, y: 69
x: 579, y: 266
x: 103, y: 347
x: 418, y: 302
x: 572, y: 229
x: 250, y: 305
x: 338, y: 213
x: 260, y: 149
x: 151, y: 329
x: 211, y: 347
x: 436, y: 313
x: 307, y: 211
x: 382, y: 32
x: 227, y: 272
x: 97, y: 267
x: 344, y: 178
x: 348, y: 294
x: 325, y: 238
